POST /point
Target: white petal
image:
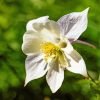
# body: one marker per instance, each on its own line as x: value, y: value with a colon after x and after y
x: 77, y: 64
x: 69, y: 47
x: 48, y: 31
x: 74, y: 24
x: 31, y: 23
x: 55, y: 77
x: 31, y: 43
x: 35, y: 66
x: 53, y: 27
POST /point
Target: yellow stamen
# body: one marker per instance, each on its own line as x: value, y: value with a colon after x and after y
x: 51, y: 50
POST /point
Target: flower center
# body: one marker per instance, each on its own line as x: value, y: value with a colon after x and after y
x: 51, y: 50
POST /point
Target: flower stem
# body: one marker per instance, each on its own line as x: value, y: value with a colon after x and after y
x: 85, y: 43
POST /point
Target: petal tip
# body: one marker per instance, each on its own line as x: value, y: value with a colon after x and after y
x: 29, y: 25
x: 85, y: 75
x: 53, y: 91
x: 86, y: 10
x: 26, y: 82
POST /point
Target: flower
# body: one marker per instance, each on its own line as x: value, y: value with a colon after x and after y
x: 47, y: 45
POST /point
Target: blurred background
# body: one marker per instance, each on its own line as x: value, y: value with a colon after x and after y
x: 14, y: 14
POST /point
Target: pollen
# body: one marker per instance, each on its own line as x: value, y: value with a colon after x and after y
x: 49, y: 49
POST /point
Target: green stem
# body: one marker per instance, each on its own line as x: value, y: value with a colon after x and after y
x: 85, y: 43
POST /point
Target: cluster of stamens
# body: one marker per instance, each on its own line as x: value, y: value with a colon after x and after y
x: 51, y: 50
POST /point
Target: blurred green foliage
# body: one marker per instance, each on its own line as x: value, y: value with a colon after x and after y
x: 14, y: 14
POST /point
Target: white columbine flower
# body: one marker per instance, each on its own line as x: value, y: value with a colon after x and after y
x: 48, y: 48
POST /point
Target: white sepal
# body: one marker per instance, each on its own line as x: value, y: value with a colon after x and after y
x: 35, y: 66
x: 76, y: 64
x: 74, y: 24
x: 55, y: 76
